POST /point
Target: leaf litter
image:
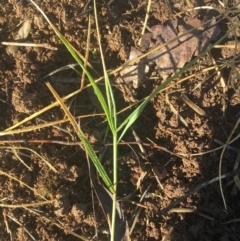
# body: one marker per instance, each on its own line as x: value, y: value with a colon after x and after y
x: 21, y: 35
x: 172, y: 57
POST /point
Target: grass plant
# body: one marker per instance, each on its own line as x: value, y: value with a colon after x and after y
x: 108, y: 104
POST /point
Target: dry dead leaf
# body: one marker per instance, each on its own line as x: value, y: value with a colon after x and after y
x: 21, y: 35
x: 133, y: 74
x: 176, y: 54
x: 23, y: 31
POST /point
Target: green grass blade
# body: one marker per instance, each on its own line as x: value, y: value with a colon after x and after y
x: 79, y: 61
x: 108, y: 87
x: 101, y: 99
x: 113, y: 115
x: 88, y: 148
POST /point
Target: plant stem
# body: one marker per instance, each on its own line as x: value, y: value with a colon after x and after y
x: 115, y: 181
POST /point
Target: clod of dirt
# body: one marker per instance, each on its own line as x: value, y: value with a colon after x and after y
x: 61, y: 207
x: 78, y: 211
x: 114, y: 14
x: 23, y: 101
x: 26, y: 178
x: 71, y: 174
x: 160, y: 171
x: 62, y: 204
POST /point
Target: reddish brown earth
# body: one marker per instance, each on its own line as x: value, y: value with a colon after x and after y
x: 71, y: 216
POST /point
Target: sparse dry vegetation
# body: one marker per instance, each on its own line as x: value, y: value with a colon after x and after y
x: 145, y: 124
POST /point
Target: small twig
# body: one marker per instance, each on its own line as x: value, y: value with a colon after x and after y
x: 21, y: 225
x: 232, y: 221
x: 23, y: 205
x: 44, y: 45
x: 69, y: 66
x: 222, y: 81
x: 175, y: 112
x: 147, y: 27
x: 145, y: 155
x: 229, y: 46
x: 167, y: 237
x: 222, y: 3
x: 44, y: 160
x: 110, y: 2
x: 22, y: 183
x: 76, y: 143
x: 92, y: 195
x: 196, y: 189
x: 145, y: 21
x: 19, y: 158
x: 138, y: 210
x: 87, y: 52
x: 190, y: 210
x: 236, y: 164
x: 139, y: 142
x: 50, y: 221
x: 193, y: 106
x: 10, y: 130
x: 236, y: 178
x: 228, y: 147
x: 220, y: 162
x: 6, y: 223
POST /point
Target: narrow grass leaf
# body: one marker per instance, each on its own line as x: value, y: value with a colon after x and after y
x: 108, y: 87
x: 84, y: 140
x: 79, y: 61
x: 112, y: 121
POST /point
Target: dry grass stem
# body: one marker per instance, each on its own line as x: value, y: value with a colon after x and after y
x: 44, y: 45
x: 51, y: 222
x: 87, y: 51
x: 47, y: 124
x: 193, y: 106
x: 145, y: 21
x: 22, y: 183
x: 220, y: 161
x: 22, y: 226
x: 6, y: 224
x: 13, y: 149
x: 174, y: 111
x: 137, y: 211
x: 24, y: 205
x: 223, y: 84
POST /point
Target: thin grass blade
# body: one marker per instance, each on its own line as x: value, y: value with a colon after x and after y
x: 79, y: 61
x: 84, y: 140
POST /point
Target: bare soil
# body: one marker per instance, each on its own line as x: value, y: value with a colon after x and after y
x: 72, y: 216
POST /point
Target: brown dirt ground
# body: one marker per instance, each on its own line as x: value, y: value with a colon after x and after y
x: 22, y: 93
